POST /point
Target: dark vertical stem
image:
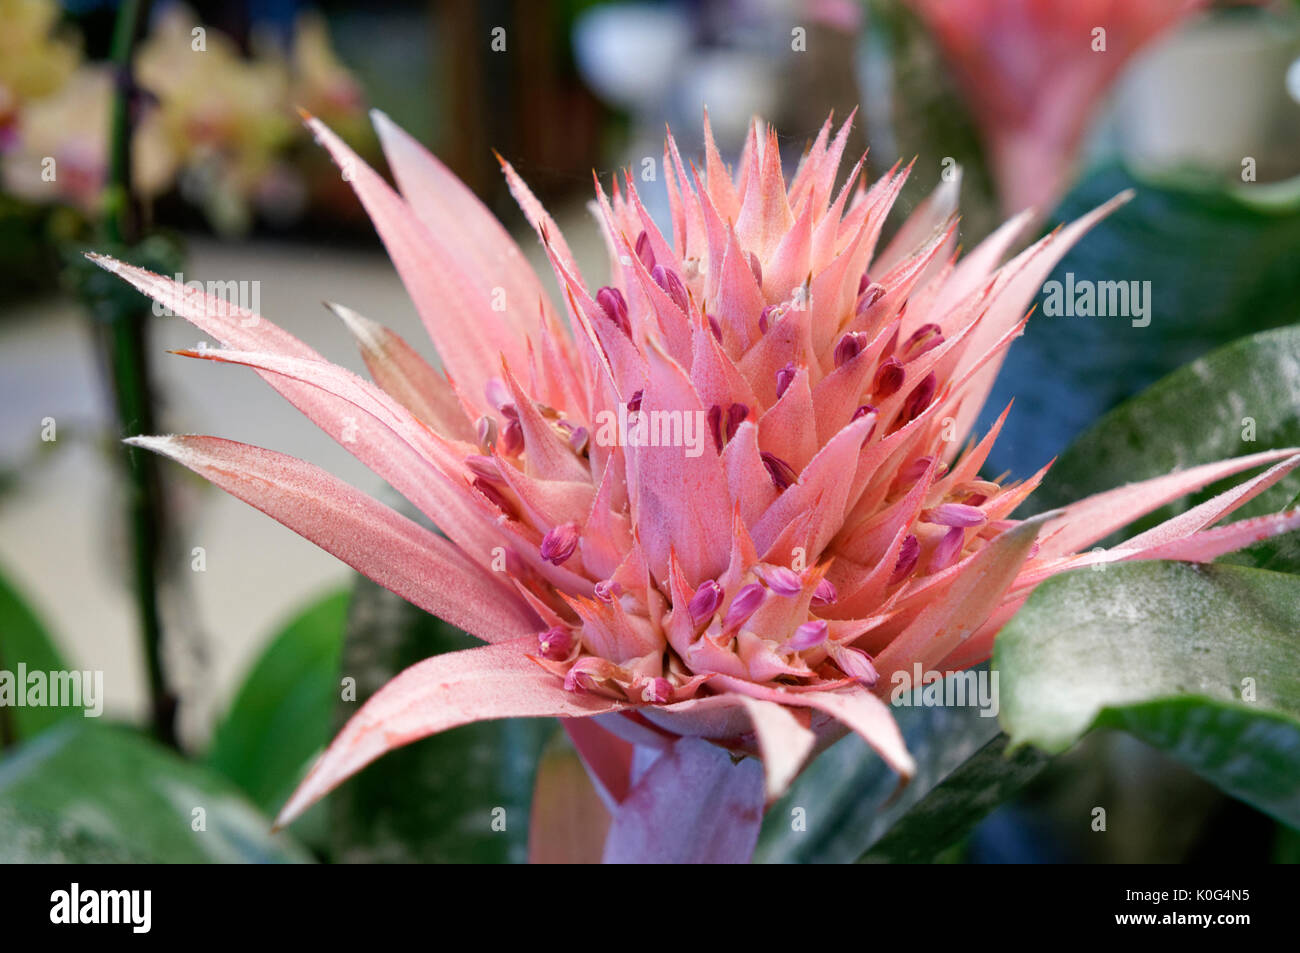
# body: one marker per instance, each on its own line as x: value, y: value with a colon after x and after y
x: 125, y: 345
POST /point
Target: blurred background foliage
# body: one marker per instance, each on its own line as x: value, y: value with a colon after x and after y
x: 1195, y: 105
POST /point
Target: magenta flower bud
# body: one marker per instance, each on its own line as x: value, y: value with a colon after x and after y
x: 769, y: 316
x: 559, y: 543
x: 825, y: 594
x: 746, y: 603
x: 673, y: 286
x: 578, y: 439
x: 870, y: 296
x: 864, y: 410
x: 949, y: 548
x: 808, y: 635
x: 864, y: 282
x: 850, y: 346
x: 784, y: 378
x: 920, y: 397
x: 908, y: 554
x: 634, y: 402
x: 653, y: 691
x: 714, y: 419
x: 512, y: 438
x: 614, y: 305
x: 705, y: 602
x: 607, y: 590
x: 854, y: 663
x: 925, y: 338
x: 889, y: 378
x: 914, y: 470
x: 715, y: 327
x: 782, y: 581
x: 782, y: 473
x: 644, y: 251
x: 954, y: 514
x: 555, y: 643
x: 736, y: 415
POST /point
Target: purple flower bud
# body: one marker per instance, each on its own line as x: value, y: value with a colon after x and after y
x: 736, y: 415
x: 914, y: 470
x: 614, y: 305
x: 920, y: 397
x: 889, y: 378
x: 607, y: 590
x: 782, y: 581
x: 705, y: 602
x: 949, y: 548
x: 716, y: 328
x: 578, y: 438
x: 811, y: 633
x: 825, y: 593
x: 559, y: 543
x: 864, y: 410
x: 864, y: 282
x: 850, y: 346
x: 715, y: 426
x: 769, y: 316
x: 925, y: 338
x: 673, y: 286
x: 644, y: 251
x: 869, y: 296
x: 954, y: 514
x: 908, y: 554
x: 784, y: 378
x: 782, y: 473
x: 512, y: 438
x: 747, y: 601
x: 634, y: 402
x: 653, y: 691
x: 555, y: 643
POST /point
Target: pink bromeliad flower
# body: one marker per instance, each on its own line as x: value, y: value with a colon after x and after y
x: 1034, y: 72
x: 711, y: 514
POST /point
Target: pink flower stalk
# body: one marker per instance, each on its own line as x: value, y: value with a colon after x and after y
x: 684, y: 600
x: 1033, y: 72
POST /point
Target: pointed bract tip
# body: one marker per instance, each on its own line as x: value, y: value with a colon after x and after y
x: 305, y: 115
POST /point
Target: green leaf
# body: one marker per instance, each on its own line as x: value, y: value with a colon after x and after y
x: 851, y: 803
x: 87, y: 792
x: 24, y: 640
x: 1197, y: 415
x: 1166, y: 651
x: 1220, y: 267
x: 934, y: 821
x: 283, y: 714
x: 435, y: 800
